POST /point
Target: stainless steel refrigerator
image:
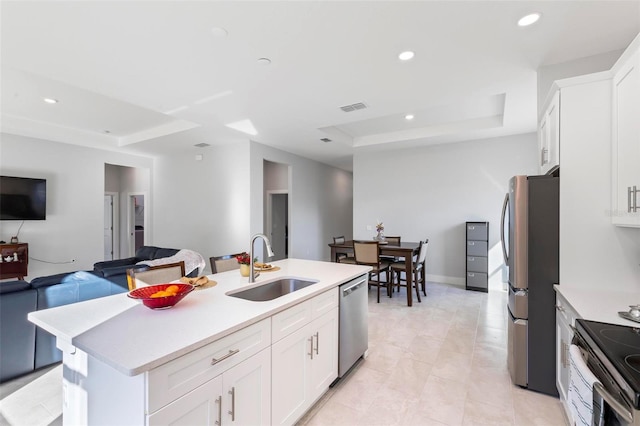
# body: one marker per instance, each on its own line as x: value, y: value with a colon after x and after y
x: 530, y: 243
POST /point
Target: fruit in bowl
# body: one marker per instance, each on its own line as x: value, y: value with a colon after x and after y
x: 161, y: 296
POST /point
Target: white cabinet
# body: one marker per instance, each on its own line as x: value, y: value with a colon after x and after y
x: 565, y: 319
x: 626, y: 142
x: 305, y: 362
x: 549, y: 135
x: 240, y: 395
x: 202, y: 406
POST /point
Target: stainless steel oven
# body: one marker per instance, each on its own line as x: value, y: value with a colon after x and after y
x: 613, y: 356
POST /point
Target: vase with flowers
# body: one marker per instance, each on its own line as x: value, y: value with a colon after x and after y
x: 380, y: 231
x: 244, y: 260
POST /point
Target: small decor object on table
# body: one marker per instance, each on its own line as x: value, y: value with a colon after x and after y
x: 380, y: 229
x: 244, y: 260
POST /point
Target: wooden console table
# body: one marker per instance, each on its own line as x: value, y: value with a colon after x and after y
x: 14, y: 268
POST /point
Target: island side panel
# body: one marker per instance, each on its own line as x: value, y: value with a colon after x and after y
x: 97, y: 394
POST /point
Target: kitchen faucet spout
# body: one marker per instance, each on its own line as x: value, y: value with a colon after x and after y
x: 252, y: 275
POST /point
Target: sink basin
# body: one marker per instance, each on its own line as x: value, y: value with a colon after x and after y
x: 272, y: 290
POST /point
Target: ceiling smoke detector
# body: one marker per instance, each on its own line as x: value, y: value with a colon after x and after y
x: 353, y: 107
x: 202, y: 145
x: 325, y: 140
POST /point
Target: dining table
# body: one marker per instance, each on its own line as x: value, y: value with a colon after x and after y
x: 404, y: 249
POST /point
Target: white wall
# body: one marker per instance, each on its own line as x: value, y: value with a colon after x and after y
x: 431, y: 192
x: 203, y: 205
x: 593, y: 252
x: 75, y: 188
x: 320, y: 202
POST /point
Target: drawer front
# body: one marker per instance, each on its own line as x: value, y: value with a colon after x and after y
x: 477, y: 231
x: 324, y: 302
x: 476, y: 248
x: 178, y: 377
x: 290, y: 320
x: 477, y: 280
x: 477, y: 264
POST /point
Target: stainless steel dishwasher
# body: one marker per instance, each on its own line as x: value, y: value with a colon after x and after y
x: 354, y: 328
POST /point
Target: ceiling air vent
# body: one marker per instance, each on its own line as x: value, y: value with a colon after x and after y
x: 325, y: 140
x: 202, y: 145
x: 353, y: 107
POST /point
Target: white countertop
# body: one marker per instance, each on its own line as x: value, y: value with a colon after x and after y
x: 132, y: 338
x: 600, y: 305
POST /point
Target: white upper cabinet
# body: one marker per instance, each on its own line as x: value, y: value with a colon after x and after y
x: 549, y: 135
x: 625, y: 166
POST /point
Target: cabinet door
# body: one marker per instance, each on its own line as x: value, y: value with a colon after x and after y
x: 543, y: 143
x: 324, y: 365
x: 290, y: 376
x: 246, y: 391
x: 549, y: 135
x: 562, y: 349
x: 626, y: 144
x: 201, y: 406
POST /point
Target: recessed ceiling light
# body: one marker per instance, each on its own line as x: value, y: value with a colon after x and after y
x: 405, y: 56
x: 51, y: 100
x: 527, y: 20
x: 264, y: 61
x: 219, y: 32
x: 408, y: 117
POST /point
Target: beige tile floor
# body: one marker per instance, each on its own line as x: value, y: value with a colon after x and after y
x: 440, y: 362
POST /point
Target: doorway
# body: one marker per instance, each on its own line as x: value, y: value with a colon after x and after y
x: 111, y: 239
x: 137, y: 216
x: 278, y: 223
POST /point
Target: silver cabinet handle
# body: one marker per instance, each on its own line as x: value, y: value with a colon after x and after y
x: 232, y: 392
x: 629, y: 204
x: 317, y: 342
x: 219, y: 402
x: 615, y: 405
x: 635, y: 198
x: 311, y: 341
x: 214, y: 361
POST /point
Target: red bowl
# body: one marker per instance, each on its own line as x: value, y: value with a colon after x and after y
x: 165, y: 302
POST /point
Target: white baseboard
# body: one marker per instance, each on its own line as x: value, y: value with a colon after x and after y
x: 457, y: 281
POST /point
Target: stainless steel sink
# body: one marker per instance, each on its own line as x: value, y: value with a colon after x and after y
x: 272, y: 290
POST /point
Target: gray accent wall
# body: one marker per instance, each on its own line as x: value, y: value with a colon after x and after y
x: 430, y: 192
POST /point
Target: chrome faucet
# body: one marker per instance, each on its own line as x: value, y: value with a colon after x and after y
x: 252, y: 275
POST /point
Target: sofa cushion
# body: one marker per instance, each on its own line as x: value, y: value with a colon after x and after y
x: 98, y: 266
x: 58, y: 278
x: 146, y: 252
x: 164, y: 252
x: 13, y: 286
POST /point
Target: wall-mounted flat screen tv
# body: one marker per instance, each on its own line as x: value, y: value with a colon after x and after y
x: 23, y: 198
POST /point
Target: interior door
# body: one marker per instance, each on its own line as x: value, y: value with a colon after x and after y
x: 108, y: 227
x: 279, y: 226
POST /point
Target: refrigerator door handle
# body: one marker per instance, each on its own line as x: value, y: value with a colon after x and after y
x: 505, y: 205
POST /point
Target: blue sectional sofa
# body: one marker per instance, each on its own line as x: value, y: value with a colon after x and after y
x: 116, y: 270
x: 25, y: 347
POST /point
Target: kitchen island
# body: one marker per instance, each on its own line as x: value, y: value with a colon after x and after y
x: 207, y: 360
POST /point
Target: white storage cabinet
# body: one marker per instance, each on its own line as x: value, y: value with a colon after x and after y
x: 565, y: 319
x: 305, y: 358
x: 549, y: 134
x: 625, y: 140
